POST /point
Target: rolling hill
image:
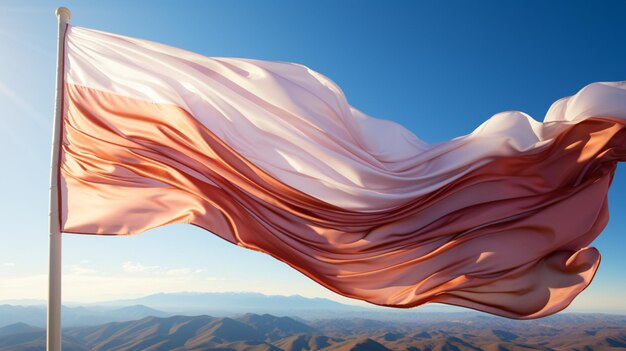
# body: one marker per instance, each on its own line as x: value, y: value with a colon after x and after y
x: 253, y: 332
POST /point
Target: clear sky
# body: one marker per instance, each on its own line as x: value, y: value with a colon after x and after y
x: 438, y: 67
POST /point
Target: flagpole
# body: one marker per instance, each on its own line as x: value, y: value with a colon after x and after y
x: 54, y: 275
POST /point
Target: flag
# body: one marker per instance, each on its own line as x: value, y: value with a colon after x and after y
x: 271, y: 157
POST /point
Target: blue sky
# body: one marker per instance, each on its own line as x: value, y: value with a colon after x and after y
x: 439, y: 68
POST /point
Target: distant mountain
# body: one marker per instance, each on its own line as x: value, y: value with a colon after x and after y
x: 166, y: 334
x: 275, y: 328
x: 33, y: 315
x: 75, y: 316
x: 35, y: 341
x: 24, y: 302
x: 252, y: 332
x: 132, y: 312
x: 302, y: 342
x: 216, y: 304
x: 350, y: 326
x: 360, y: 344
x: 18, y: 328
x: 232, y: 303
x: 151, y: 333
x: 228, y: 304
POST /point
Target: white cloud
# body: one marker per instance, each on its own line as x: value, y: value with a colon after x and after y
x: 8, y: 264
x: 135, y: 267
x: 179, y: 271
x: 75, y: 269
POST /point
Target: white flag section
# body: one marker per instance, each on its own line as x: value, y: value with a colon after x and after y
x: 270, y: 156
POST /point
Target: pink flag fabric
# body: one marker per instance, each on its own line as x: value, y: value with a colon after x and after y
x: 271, y: 157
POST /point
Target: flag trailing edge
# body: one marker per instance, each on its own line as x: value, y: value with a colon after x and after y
x: 270, y: 156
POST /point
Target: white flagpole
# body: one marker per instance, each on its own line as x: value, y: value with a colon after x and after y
x: 54, y: 274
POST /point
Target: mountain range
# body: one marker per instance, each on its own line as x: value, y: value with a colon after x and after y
x: 251, y: 321
x: 33, y: 312
x: 253, y: 332
x: 232, y: 302
x: 75, y: 316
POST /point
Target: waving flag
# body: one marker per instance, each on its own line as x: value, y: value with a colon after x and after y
x: 270, y: 156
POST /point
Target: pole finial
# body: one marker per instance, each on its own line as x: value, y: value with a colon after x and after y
x: 63, y: 13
